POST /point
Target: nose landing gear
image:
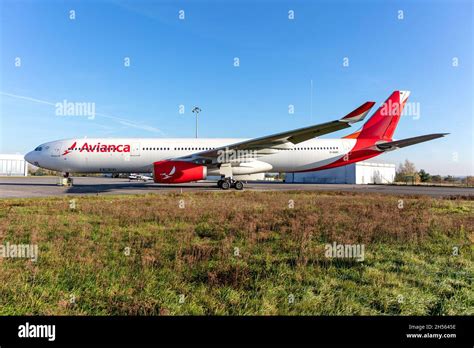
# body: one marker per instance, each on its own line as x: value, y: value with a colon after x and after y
x: 228, y: 183
x: 65, y: 180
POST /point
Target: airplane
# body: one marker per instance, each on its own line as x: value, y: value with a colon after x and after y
x: 134, y: 176
x: 186, y: 160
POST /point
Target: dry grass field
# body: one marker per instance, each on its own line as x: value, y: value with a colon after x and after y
x: 238, y: 253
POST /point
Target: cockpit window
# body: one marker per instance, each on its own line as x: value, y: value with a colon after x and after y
x: 39, y: 148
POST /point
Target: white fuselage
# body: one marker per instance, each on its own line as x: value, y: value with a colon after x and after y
x: 130, y: 155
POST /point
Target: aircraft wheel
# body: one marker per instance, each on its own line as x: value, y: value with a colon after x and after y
x: 239, y: 185
x: 225, y: 185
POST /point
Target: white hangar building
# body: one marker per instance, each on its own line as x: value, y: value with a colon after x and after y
x: 13, y: 165
x: 355, y: 173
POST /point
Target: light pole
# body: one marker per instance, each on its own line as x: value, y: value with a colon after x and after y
x: 196, y: 110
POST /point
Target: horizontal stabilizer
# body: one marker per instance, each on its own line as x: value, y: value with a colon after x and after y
x: 391, y: 145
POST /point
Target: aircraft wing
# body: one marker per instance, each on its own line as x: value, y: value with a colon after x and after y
x: 269, y: 144
x: 393, y: 145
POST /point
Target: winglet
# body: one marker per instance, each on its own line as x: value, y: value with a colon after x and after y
x: 359, y: 113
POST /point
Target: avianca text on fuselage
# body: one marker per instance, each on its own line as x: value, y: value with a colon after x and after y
x: 99, y: 148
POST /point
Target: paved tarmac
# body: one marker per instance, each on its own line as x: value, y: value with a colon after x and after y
x: 23, y: 187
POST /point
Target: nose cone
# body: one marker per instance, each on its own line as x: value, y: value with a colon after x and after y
x: 29, y: 157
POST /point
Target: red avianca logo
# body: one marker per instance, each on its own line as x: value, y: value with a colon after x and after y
x: 98, y: 148
x: 69, y: 149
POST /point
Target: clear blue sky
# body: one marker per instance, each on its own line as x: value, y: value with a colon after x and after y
x: 191, y: 62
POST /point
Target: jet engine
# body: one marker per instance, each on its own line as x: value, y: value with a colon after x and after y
x: 174, y: 172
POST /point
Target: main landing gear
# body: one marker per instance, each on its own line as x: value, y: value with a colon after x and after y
x: 228, y: 183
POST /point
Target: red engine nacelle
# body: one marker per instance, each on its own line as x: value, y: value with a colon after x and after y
x: 173, y: 172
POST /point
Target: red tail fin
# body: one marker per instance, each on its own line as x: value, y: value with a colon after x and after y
x: 383, y: 122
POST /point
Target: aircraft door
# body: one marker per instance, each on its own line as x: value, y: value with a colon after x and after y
x: 135, y: 149
x: 56, y: 149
